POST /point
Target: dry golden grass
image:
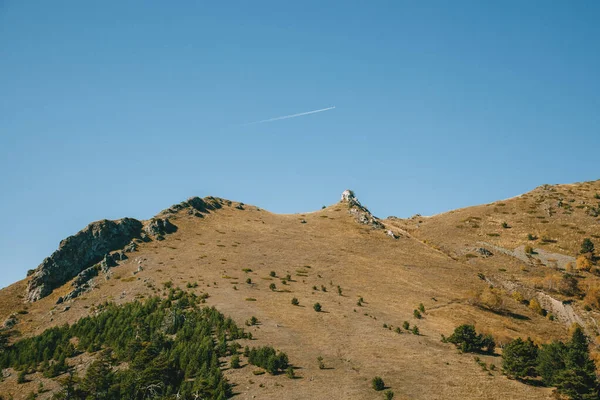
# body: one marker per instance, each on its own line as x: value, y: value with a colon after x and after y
x: 393, y: 277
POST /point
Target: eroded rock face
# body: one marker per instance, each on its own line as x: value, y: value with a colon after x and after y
x: 81, y: 251
x: 92, y: 245
x: 159, y: 227
x: 205, y: 205
x: 361, y: 213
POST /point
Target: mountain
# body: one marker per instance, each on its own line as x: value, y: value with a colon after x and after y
x: 512, y: 268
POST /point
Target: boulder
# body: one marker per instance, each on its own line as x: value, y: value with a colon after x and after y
x: 484, y: 252
x: 159, y: 227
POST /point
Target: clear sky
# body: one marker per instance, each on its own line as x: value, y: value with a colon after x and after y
x: 122, y: 108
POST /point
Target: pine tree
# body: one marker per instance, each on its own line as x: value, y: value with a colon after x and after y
x: 587, y: 246
x: 519, y: 358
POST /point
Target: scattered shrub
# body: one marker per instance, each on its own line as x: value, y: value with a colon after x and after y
x: 235, y: 362
x: 377, y: 383
x: 289, y: 372
x: 317, y: 307
x: 587, y: 246
x: 583, y: 263
x: 272, y: 286
x: 529, y: 249
x: 466, y: 338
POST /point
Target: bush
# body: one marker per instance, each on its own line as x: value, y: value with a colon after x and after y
x: 529, y: 249
x: 466, y: 338
x: 289, y: 372
x: 415, y: 330
x: 531, y: 236
x: 388, y: 395
x: 417, y: 314
x: 272, y: 274
x: 317, y: 307
x: 505, y: 225
x: 295, y: 302
x: 421, y: 307
x: 377, y: 383
x: 235, y: 362
x: 321, y: 363
x: 535, y: 306
x: 272, y: 286
x: 519, y: 358
x: 268, y: 359
x: 489, y: 298
x: 587, y: 246
x: 406, y: 325
x: 583, y: 263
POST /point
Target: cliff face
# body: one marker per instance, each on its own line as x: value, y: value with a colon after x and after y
x: 91, y: 245
x: 80, y: 251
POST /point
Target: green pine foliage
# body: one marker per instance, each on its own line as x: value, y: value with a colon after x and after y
x: 377, y: 383
x: 468, y: 341
x: 569, y: 367
x: 169, y: 345
x: 269, y: 359
x: 519, y: 358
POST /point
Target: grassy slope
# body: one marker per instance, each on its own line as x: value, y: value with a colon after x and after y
x: 393, y: 276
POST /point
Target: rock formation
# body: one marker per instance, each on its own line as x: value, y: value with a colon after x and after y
x: 80, y: 251
x: 361, y: 214
x: 78, y: 255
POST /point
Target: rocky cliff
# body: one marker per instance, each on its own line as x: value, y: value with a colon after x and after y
x: 92, y: 245
x: 80, y: 251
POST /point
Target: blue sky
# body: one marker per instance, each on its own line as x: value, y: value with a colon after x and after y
x: 112, y: 109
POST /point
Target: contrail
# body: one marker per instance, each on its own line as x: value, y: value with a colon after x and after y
x: 289, y: 116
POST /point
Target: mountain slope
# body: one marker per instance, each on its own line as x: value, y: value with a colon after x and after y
x: 393, y: 265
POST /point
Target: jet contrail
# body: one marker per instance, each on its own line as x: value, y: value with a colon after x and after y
x: 289, y: 116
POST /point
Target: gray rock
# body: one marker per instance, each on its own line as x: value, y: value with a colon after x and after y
x: 159, y: 227
x: 391, y: 234
x: 484, y: 252
x: 107, y: 263
x: 80, y: 251
x: 84, y: 276
x: 131, y: 247
x: 361, y: 213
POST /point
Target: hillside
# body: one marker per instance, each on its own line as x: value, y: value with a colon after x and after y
x: 225, y: 252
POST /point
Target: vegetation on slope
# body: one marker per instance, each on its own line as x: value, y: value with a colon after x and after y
x: 162, y: 348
